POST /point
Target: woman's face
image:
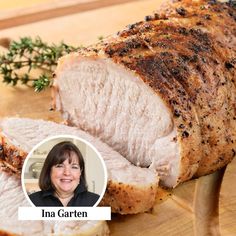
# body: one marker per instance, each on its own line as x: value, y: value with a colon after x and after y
x: 66, y: 176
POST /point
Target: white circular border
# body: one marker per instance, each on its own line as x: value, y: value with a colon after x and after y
x: 71, y: 137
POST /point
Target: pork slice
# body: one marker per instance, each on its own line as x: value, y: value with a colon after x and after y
x: 161, y: 92
x: 12, y: 197
x: 130, y: 189
x: 113, y: 104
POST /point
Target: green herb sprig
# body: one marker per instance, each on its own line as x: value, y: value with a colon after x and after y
x: 31, y: 54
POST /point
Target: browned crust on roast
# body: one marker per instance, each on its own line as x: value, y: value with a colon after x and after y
x: 213, y: 66
x: 187, y: 54
x: 5, y: 233
x: 11, y: 156
x: 129, y: 199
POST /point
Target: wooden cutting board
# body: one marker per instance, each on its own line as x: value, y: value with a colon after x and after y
x: 173, y: 213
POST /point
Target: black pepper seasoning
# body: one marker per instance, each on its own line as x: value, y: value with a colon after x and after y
x: 156, y: 16
x: 131, y: 26
x: 181, y: 11
x: 176, y: 113
x: 229, y: 65
x: 185, y: 134
x: 207, y: 17
x: 1, y: 152
x: 212, y: 2
x: 148, y: 18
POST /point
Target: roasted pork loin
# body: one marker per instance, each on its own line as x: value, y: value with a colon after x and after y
x: 130, y: 189
x: 161, y: 92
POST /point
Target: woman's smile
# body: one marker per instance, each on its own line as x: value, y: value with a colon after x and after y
x: 66, y: 180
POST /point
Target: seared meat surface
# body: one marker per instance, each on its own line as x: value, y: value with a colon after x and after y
x: 190, y: 52
x: 162, y: 91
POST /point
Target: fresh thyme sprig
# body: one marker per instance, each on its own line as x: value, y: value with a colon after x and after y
x: 31, y: 54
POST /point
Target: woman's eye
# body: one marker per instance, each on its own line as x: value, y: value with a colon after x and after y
x: 59, y: 165
x: 75, y: 167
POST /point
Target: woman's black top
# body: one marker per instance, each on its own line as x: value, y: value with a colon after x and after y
x: 81, y: 198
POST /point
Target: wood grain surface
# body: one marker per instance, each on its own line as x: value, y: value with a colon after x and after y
x: 173, y: 213
x: 46, y: 9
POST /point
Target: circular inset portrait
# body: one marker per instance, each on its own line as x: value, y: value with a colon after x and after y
x: 64, y: 171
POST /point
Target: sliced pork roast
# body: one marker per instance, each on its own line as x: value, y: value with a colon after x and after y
x: 12, y: 197
x: 161, y: 92
x: 130, y: 189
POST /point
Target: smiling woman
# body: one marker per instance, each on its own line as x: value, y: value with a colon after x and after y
x: 62, y: 180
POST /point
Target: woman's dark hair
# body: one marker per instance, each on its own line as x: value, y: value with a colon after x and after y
x: 58, y: 154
